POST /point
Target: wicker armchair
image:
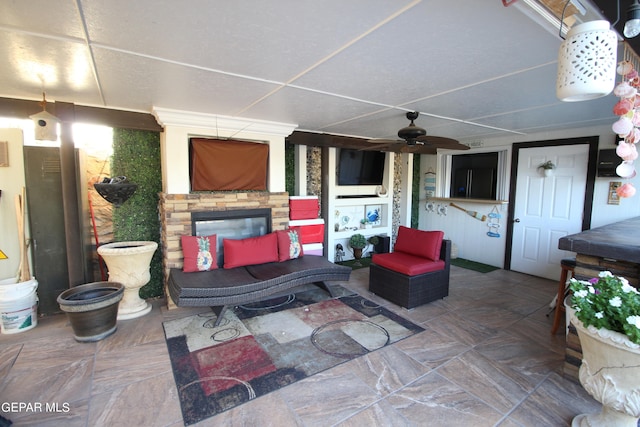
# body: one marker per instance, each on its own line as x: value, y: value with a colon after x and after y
x: 407, y: 290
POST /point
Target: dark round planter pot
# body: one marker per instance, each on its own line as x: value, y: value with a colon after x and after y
x: 92, y: 309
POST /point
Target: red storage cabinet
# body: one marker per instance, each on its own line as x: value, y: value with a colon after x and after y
x: 303, y: 207
x: 311, y: 230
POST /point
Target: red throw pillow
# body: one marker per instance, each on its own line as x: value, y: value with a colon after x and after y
x: 251, y: 251
x: 199, y: 253
x: 289, y: 244
x: 425, y: 244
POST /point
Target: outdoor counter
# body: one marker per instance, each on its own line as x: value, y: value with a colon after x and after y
x: 614, y: 247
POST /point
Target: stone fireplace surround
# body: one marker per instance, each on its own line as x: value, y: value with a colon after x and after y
x: 176, y: 209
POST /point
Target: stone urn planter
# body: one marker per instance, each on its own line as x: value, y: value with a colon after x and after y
x: 128, y: 263
x: 92, y: 309
x: 610, y: 372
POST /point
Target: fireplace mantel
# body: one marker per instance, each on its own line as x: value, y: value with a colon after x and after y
x: 179, y: 126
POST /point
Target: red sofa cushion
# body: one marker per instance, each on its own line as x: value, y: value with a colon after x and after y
x: 191, y: 248
x: 404, y: 263
x: 289, y: 244
x: 425, y: 244
x: 251, y: 251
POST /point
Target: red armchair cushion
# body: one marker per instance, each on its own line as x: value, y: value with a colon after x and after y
x: 192, y: 246
x: 404, y: 263
x: 289, y: 244
x: 251, y: 251
x: 425, y: 244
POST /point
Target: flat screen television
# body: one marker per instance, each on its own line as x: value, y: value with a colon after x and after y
x: 356, y: 167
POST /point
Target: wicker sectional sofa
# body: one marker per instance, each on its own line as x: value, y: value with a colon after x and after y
x: 241, y: 284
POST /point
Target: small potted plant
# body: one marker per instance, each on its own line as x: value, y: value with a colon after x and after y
x: 364, y: 223
x: 373, y: 241
x: 547, y: 167
x: 357, y: 242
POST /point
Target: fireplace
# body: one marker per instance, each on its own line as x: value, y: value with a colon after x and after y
x: 179, y: 211
x: 231, y: 224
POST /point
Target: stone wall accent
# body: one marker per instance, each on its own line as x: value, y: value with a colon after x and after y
x: 314, y: 172
x: 397, y: 192
x: 175, y: 218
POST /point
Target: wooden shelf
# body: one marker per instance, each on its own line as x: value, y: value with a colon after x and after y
x: 367, y: 232
x: 464, y: 200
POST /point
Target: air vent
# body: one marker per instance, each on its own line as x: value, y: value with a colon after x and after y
x: 4, y: 154
x: 50, y: 167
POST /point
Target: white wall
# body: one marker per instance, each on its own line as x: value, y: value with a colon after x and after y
x: 469, y: 234
x: 11, y: 183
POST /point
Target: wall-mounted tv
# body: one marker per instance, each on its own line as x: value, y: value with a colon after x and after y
x: 356, y: 167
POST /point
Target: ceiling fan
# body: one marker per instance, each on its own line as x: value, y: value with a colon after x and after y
x: 414, y: 139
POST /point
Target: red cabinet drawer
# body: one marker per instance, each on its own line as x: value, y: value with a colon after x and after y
x: 303, y: 207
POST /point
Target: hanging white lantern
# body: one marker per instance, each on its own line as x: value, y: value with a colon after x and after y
x: 587, y: 62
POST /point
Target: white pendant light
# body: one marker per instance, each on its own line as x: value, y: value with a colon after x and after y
x: 587, y: 62
x: 632, y: 26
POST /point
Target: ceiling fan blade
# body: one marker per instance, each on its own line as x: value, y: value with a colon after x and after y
x: 378, y: 147
x: 384, y: 141
x: 442, y: 142
x: 418, y: 149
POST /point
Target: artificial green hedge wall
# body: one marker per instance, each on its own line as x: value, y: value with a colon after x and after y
x: 290, y: 168
x: 136, y: 155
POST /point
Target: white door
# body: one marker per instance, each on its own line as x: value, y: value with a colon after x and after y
x: 547, y: 208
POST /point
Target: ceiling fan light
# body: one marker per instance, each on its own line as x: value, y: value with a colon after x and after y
x: 632, y: 28
x: 587, y: 62
x: 632, y: 25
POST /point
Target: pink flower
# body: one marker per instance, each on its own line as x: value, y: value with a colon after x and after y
x: 626, y: 190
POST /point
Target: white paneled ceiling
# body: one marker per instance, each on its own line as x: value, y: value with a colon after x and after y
x: 472, y: 68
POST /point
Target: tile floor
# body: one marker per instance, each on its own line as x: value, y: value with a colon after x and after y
x: 486, y: 358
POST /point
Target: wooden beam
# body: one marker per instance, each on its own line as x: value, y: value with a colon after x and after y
x: 22, y: 109
x: 70, y: 201
x: 327, y: 140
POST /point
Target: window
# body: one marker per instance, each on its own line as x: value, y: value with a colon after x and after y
x: 474, y: 176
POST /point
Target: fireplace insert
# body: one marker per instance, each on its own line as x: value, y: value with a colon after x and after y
x: 231, y: 224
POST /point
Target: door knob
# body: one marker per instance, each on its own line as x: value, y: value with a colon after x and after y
x: 516, y: 220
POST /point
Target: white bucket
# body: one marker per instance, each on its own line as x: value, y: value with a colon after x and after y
x: 18, y: 306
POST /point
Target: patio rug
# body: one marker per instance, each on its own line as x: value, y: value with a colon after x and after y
x: 262, y: 347
x: 472, y: 265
